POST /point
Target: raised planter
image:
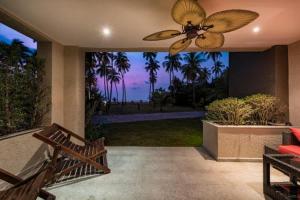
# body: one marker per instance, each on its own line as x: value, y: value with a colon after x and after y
x: 239, y: 143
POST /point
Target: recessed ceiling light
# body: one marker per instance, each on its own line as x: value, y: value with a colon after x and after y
x: 106, y: 31
x: 256, y: 29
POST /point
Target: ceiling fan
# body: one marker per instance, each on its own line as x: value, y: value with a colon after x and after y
x: 208, y: 31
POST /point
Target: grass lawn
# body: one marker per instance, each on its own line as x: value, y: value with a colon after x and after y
x: 175, y: 132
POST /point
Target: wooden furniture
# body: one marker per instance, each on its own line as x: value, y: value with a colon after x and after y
x: 76, y: 160
x: 31, y: 187
x: 290, y: 165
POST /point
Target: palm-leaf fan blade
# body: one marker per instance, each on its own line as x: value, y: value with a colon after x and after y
x: 162, y: 35
x: 185, y: 11
x: 179, y: 45
x: 210, y: 40
x: 229, y: 20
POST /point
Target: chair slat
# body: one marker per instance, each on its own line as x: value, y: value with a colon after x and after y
x: 87, y: 158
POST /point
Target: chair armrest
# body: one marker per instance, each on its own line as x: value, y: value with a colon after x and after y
x: 70, y: 133
x: 288, y: 138
x: 8, y: 177
x: 13, y: 179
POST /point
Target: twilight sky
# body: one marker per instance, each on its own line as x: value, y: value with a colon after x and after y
x: 7, y: 34
x: 136, y: 79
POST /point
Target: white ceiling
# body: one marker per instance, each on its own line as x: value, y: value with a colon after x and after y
x: 79, y: 22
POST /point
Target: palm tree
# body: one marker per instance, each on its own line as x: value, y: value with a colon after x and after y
x: 204, y: 75
x: 90, y: 73
x: 104, y: 64
x: 149, y: 55
x: 114, y: 78
x: 152, y: 66
x: 215, y: 56
x: 217, y: 68
x: 172, y: 64
x: 122, y: 65
x: 192, y: 69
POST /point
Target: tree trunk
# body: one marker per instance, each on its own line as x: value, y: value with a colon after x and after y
x: 194, y: 93
x: 150, y: 91
x: 110, y: 95
x: 170, y: 74
x: 104, y: 85
x: 107, y: 87
x: 125, y: 92
x: 153, y: 87
x: 117, y: 92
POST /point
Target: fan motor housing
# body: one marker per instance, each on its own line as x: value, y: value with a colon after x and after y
x: 191, y: 31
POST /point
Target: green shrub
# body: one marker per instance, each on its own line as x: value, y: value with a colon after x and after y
x: 93, y: 132
x: 258, y: 109
x: 161, y: 98
x: 265, y: 109
x: 229, y: 111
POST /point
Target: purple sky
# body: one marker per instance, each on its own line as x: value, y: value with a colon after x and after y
x: 7, y: 34
x: 136, y: 78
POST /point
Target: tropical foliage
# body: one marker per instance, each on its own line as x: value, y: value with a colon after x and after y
x: 152, y: 67
x: 231, y: 111
x: 23, y: 100
x: 161, y: 98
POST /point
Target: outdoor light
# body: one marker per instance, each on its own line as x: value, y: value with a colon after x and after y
x: 256, y: 29
x: 106, y: 31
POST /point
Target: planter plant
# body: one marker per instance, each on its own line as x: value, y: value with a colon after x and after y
x: 238, y: 128
x: 258, y: 109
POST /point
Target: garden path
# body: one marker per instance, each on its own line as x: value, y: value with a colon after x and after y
x: 108, y: 119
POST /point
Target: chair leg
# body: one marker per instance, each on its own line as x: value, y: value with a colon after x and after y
x: 104, y: 160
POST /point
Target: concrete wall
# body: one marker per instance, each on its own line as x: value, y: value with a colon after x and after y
x: 294, y: 83
x: 65, y: 80
x: 21, y: 152
x: 74, y: 90
x: 239, y: 143
x: 259, y: 72
x: 53, y: 53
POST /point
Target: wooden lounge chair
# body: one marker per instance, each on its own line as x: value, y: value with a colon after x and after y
x: 31, y: 187
x: 76, y: 160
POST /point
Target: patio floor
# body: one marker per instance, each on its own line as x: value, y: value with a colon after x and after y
x: 168, y: 173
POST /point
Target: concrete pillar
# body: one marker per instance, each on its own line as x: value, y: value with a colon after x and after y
x: 66, y: 85
x: 294, y: 83
x: 74, y: 89
x: 53, y: 53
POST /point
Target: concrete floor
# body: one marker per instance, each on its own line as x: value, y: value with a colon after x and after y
x: 162, y: 173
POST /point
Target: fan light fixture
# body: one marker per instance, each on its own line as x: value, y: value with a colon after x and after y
x: 256, y: 29
x: 106, y: 31
x: 208, y: 31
